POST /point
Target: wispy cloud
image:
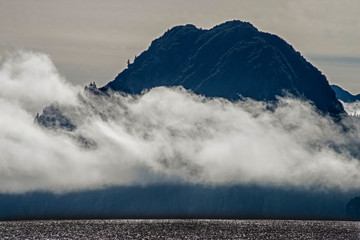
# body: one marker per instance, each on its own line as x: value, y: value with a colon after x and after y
x: 164, y: 135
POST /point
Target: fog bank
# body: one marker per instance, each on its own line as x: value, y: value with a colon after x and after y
x: 165, y: 135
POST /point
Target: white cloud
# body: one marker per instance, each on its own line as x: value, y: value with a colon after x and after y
x: 31, y: 80
x: 164, y: 135
x: 352, y: 109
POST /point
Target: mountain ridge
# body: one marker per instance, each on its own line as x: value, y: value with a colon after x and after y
x: 344, y: 95
x: 231, y: 60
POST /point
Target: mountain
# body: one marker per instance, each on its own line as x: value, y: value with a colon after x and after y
x: 231, y: 60
x: 344, y: 95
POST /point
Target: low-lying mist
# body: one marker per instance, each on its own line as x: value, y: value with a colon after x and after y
x: 165, y: 135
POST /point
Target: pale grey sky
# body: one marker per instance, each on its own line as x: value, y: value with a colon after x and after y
x: 91, y: 40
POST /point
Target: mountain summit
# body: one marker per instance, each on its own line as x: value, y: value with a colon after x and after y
x: 230, y: 60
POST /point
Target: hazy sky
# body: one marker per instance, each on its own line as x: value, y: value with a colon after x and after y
x: 91, y: 40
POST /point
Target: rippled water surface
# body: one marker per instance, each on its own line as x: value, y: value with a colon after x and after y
x: 179, y: 229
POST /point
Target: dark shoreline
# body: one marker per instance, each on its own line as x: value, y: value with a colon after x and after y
x: 179, y: 202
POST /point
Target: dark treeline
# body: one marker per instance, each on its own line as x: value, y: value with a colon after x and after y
x: 177, y: 201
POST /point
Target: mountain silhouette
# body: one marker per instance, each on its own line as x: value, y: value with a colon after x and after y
x: 344, y: 95
x: 231, y: 60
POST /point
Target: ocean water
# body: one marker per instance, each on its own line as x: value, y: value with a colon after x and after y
x: 179, y: 229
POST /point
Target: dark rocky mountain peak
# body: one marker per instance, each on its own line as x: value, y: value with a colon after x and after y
x: 231, y: 60
x: 344, y: 95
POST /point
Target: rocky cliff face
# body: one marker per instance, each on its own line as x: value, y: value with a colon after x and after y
x: 231, y: 60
